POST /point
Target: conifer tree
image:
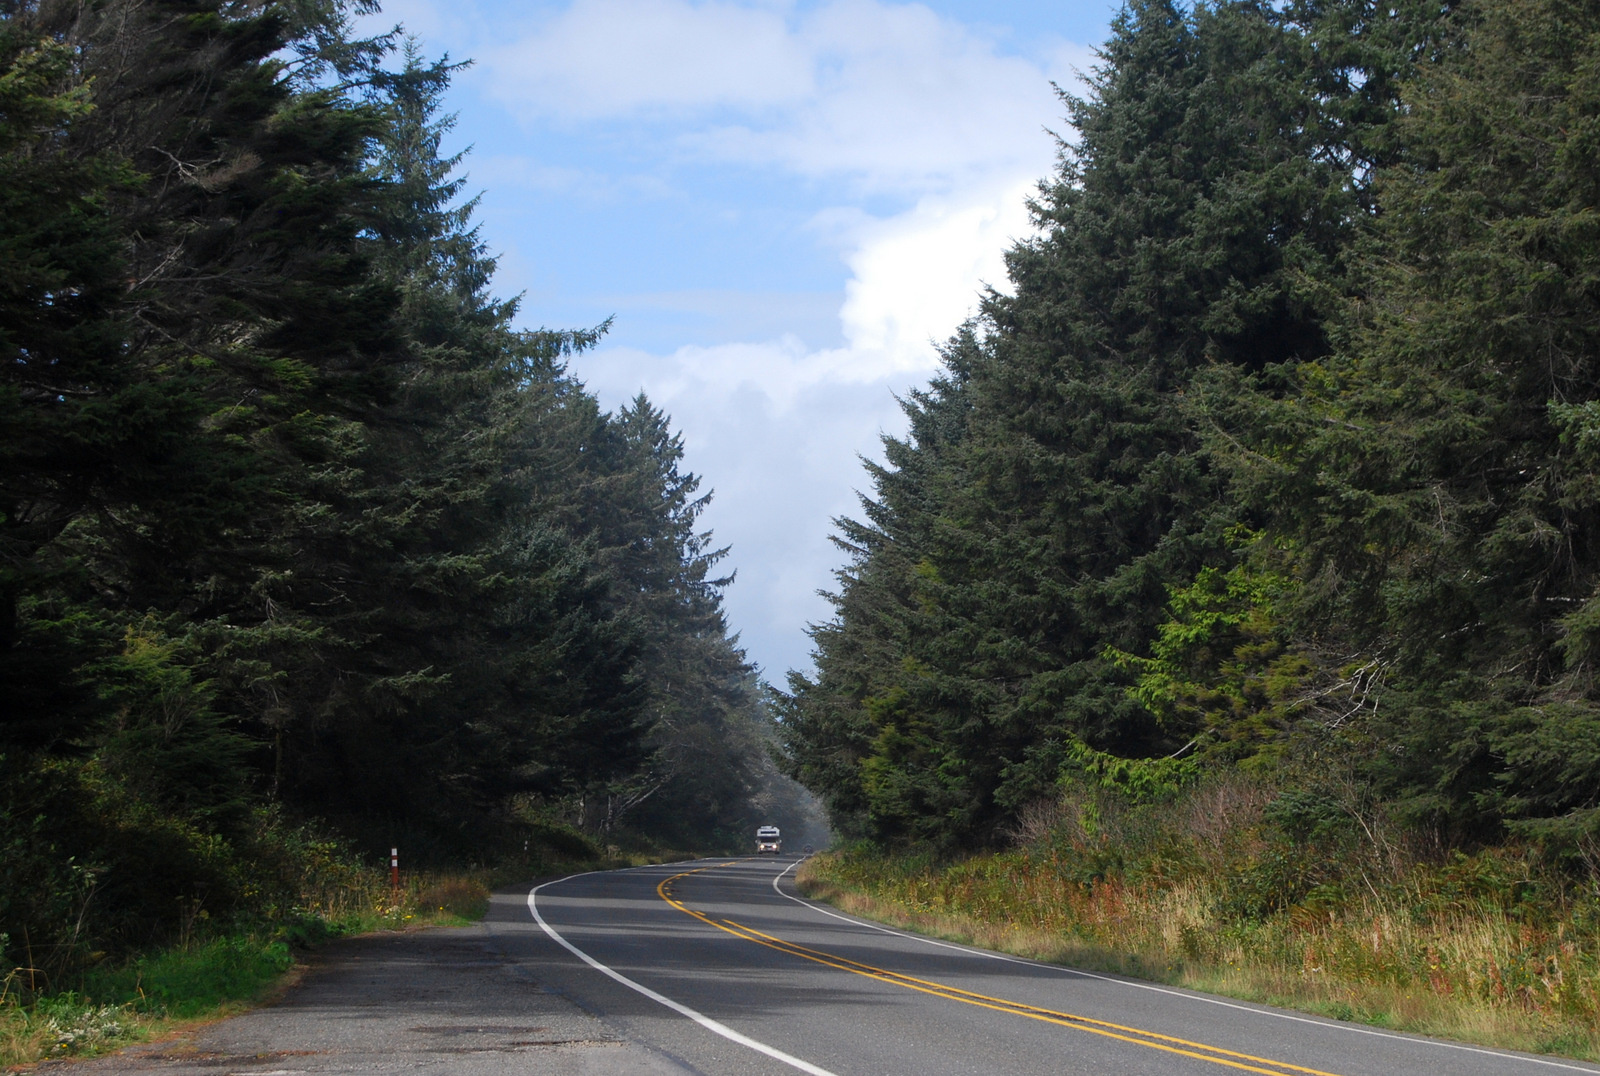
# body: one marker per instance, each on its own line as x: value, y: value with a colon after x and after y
x: 1197, y: 223
x: 1435, y: 474
x: 297, y: 525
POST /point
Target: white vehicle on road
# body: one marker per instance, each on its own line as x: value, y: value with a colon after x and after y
x: 768, y: 840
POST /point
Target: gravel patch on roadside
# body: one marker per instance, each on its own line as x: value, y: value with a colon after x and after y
x: 426, y: 1002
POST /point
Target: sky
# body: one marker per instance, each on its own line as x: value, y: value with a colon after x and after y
x: 783, y: 206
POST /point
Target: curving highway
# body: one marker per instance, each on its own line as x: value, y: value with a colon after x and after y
x: 719, y: 967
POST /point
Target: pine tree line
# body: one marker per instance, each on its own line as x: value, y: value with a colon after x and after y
x: 1277, y: 457
x: 294, y: 523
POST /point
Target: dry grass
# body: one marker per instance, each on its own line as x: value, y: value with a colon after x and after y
x: 368, y: 901
x: 1398, y: 959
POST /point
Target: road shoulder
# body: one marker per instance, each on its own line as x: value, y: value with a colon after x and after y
x: 443, y: 1001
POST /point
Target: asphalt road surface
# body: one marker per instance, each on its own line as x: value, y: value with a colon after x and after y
x: 719, y: 968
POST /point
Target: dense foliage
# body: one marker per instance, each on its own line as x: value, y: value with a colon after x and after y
x: 294, y: 524
x: 1278, y: 455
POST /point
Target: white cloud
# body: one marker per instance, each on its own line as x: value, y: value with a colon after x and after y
x: 889, y: 95
x: 904, y: 100
x: 605, y: 58
x: 776, y: 431
x: 916, y: 276
x: 777, y: 427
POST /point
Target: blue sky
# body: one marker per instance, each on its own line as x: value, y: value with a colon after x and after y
x: 783, y: 204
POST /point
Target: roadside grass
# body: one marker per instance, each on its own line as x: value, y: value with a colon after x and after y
x: 203, y: 979
x: 1394, y: 957
x: 143, y: 998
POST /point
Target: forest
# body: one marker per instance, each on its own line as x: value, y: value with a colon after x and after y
x: 306, y: 551
x: 1229, y: 613
x: 1241, y: 567
x: 1275, y: 457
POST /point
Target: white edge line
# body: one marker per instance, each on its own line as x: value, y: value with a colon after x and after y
x: 681, y: 1009
x: 1175, y: 993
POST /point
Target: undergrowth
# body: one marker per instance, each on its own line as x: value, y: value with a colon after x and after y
x: 1232, y: 890
x: 69, y: 999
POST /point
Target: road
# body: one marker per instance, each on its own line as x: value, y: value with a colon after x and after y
x: 722, y: 968
x: 718, y: 968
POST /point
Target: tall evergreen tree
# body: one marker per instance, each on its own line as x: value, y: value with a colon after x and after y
x: 1197, y: 223
x: 1436, y: 473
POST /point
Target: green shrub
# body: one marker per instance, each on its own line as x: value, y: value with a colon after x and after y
x: 193, y: 979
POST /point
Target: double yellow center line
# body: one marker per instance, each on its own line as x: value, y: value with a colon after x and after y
x: 1137, y: 1036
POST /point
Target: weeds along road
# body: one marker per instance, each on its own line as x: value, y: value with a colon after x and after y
x: 719, y: 967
